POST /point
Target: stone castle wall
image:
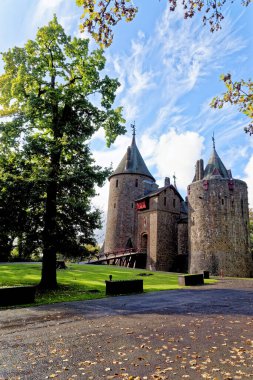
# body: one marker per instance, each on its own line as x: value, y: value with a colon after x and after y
x: 159, y: 223
x: 218, y: 227
x: 147, y: 236
x: 168, y: 213
x: 122, y: 216
x: 182, y: 238
x: 166, y: 241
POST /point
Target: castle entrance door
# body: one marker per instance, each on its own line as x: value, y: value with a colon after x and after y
x: 144, y: 242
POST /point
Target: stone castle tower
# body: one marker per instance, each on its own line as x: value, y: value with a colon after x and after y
x: 127, y: 183
x: 211, y: 229
x: 144, y: 217
x: 218, y: 221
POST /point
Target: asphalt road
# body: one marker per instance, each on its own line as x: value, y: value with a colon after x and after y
x: 197, y: 333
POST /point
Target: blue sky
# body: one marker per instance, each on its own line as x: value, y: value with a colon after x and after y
x: 169, y: 71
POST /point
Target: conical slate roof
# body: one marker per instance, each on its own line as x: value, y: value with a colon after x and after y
x: 215, y: 167
x: 132, y: 162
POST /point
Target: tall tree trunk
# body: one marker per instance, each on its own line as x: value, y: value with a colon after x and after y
x: 48, y: 276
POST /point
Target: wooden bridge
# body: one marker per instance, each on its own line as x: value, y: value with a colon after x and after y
x: 124, y: 257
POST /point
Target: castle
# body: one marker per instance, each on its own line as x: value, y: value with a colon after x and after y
x: 207, y: 231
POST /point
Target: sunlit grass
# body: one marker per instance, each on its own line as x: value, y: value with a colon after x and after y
x: 84, y: 282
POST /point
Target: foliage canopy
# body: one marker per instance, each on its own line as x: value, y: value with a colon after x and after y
x: 53, y: 98
x: 100, y: 17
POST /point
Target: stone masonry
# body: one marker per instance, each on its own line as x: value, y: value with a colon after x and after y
x: 211, y: 227
x: 122, y: 217
x: 218, y: 221
x: 218, y: 227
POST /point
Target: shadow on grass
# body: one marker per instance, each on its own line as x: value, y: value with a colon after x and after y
x: 83, y: 282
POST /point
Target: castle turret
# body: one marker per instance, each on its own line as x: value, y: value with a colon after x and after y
x: 218, y: 221
x: 127, y: 183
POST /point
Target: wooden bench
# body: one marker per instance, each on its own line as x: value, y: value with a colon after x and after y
x: 191, y: 279
x: 114, y: 288
x: 17, y: 295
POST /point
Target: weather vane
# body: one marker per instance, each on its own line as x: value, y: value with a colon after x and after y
x: 174, y: 177
x: 213, y: 141
x: 133, y: 128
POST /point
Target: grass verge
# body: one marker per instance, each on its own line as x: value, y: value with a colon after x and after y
x: 84, y: 282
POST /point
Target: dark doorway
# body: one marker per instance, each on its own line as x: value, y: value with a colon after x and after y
x: 129, y: 244
x: 144, y: 242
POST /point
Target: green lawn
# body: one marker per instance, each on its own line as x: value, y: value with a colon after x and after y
x: 83, y: 282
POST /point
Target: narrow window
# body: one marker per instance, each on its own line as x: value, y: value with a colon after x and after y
x: 132, y: 205
x: 114, y: 205
x: 136, y: 182
x: 117, y: 182
x: 242, y: 208
x: 222, y: 201
x: 164, y: 201
x: 174, y: 202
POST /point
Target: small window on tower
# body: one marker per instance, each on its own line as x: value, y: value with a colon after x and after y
x: 164, y: 201
x: 222, y: 201
x: 132, y: 205
x: 114, y: 205
x: 117, y: 182
x: 136, y: 182
x: 174, y: 202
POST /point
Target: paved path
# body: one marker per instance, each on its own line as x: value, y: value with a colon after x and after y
x: 205, y: 332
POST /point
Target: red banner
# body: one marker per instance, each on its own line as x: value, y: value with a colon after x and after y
x: 141, y: 205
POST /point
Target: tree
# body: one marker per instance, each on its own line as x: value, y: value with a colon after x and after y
x: 48, y: 117
x: 99, y: 19
x: 19, y: 202
x: 239, y: 93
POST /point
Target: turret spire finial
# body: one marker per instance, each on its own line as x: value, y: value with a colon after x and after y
x: 213, y: 141
x: 133, y: 128
x: 174, y: 177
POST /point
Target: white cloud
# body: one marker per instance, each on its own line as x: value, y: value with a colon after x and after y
x: 44, y: 9
x: 67, y: 13
x: 177, y: 153
x: 113, y: 155
x: 135, y: 77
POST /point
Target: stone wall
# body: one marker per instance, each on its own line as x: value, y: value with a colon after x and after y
x: 159, y: 223
x: 167, y: 240
x: 218, y: 228
x: 182, y: 237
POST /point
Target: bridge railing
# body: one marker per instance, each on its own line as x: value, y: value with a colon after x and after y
x: 119, y: 252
